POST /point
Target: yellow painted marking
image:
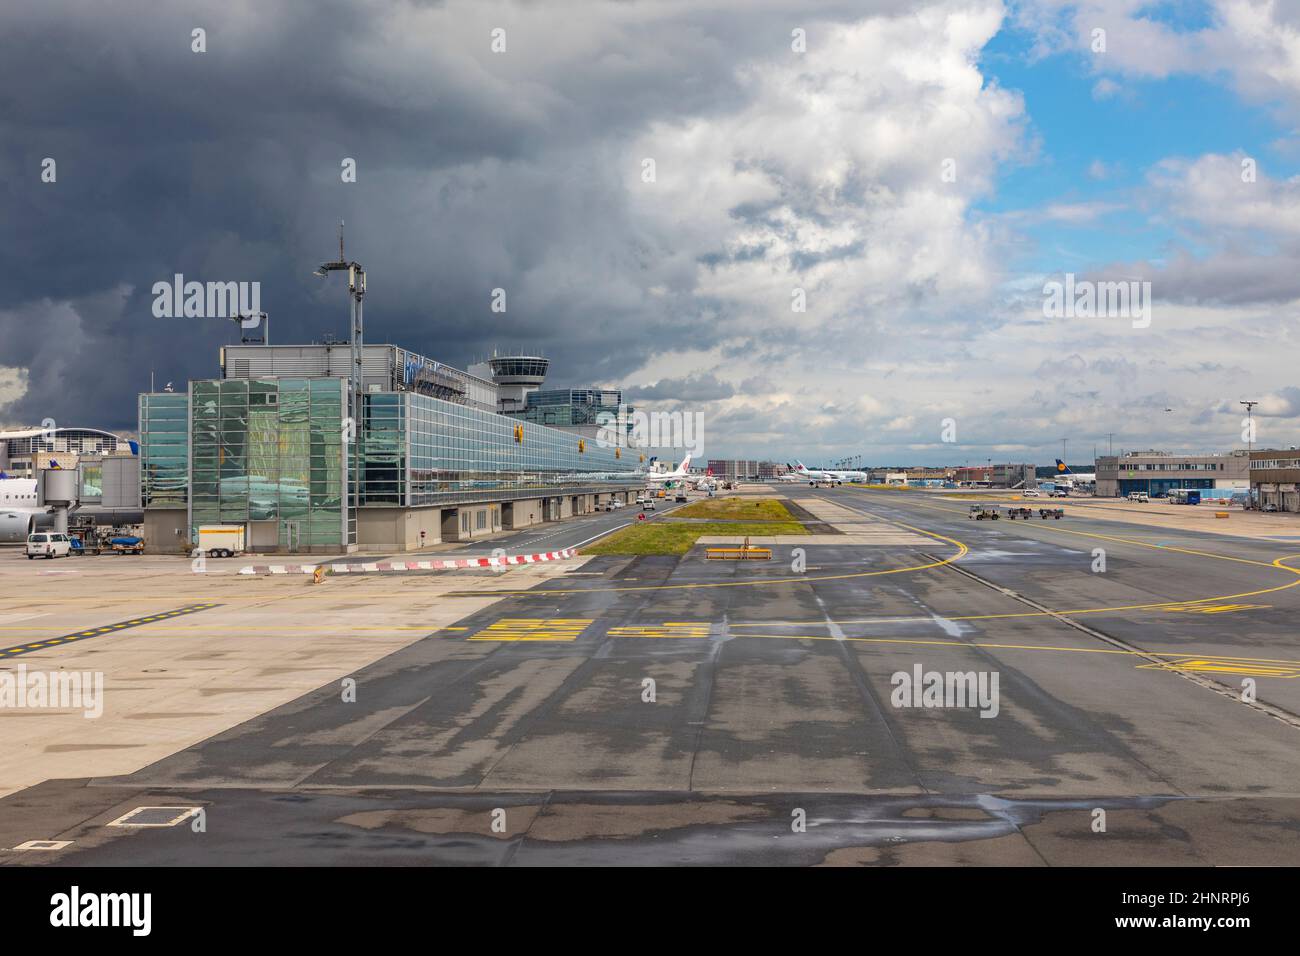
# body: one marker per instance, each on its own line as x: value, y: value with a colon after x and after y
x: 1202, y: 607
x: 533, y: 629
x: 661, y: 630
x: 1216, y: 665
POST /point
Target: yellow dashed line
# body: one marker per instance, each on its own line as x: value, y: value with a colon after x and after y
x: 96, y: 632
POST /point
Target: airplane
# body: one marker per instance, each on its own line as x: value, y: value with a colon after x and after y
x: 812, y: 477
x: 20, y: 515
x: 850, y: 475
x: 1064, y: 473
x: 680, y: 473
x: 788, y: 476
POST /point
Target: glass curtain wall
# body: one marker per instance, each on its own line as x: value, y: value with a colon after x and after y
x: 270, y: 450
x: 458, y: 453
x: 164, y: 449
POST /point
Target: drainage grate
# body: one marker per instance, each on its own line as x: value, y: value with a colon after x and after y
x: 43, y: 845
x: 154, y: 817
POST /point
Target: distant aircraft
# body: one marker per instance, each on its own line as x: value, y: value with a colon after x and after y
x: 1063, y: 472
x: 681, y: 471
x: 812, y: 476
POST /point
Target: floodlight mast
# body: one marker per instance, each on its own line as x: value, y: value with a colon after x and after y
x: 356, y: 341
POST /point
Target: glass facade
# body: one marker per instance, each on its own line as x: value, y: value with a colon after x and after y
x: 1162, y: 486
x: 164, y: 450
x: 464, y: 454
x: 572, y: 406
x: 269, y: 450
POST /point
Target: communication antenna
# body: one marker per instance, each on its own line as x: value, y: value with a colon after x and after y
x: 356, y: 341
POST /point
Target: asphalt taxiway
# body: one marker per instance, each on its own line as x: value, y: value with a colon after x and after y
x: 662, y: 709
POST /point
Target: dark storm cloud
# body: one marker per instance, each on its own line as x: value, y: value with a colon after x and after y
x: 476, y: 171
x: 700, y: 387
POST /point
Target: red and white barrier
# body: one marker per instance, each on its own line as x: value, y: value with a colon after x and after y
x: 450, y: 564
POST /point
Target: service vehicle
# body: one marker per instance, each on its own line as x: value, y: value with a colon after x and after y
x: 1054, y: 513
x: 48, y: 544
x: 221, y: 540
x: 1014, y: 513
x: 981, y: 512
x: 126, y: 544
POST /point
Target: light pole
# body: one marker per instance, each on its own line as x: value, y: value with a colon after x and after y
x: 356, y: 339
x: 1250, y: 446
x: 1250, y: 426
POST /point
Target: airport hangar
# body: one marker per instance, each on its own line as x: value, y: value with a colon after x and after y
x: 432, y: 458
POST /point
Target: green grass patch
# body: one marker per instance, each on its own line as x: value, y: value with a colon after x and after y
x: 665, y: 537
x: 736, y: 509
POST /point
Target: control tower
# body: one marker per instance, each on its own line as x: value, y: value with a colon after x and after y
x: 515, y: 376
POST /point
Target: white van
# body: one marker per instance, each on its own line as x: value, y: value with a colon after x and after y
x: 49, y: 544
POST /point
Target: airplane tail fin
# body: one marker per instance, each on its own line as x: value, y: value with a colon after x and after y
x: 1062, y: 468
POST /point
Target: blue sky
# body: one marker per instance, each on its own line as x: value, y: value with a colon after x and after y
x: 1145, y: 121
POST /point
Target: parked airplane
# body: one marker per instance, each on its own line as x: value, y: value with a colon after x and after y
x: 20, y: 515
x: 1063, y: 473
x: 812, y: 476
x: 676, y: 475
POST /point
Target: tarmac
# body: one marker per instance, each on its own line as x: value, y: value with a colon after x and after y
x: 1137, y: 702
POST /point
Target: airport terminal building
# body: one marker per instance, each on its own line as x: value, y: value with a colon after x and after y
x: 1158, y: 472
x: 269, y: 446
